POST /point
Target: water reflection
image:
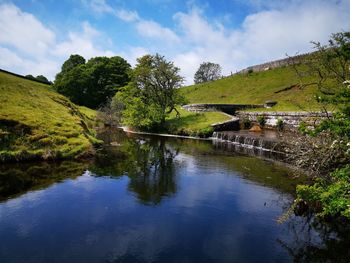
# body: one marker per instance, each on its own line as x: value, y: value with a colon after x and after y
x: 154, y: 200
x: 149, y: 164
x: 312, y: 241
x: 17, y: 179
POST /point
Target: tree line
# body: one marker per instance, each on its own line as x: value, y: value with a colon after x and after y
x: 144, y: 95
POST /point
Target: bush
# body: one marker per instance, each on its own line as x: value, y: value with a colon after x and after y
x: 205, y: 132
x: 328, y: 199
x: 279, y: 124
x: 246, y: 123
x: 261, y: 120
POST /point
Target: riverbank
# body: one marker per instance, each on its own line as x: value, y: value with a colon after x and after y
x: 36, y: 123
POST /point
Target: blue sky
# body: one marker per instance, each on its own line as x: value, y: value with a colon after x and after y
x: 37, y: 36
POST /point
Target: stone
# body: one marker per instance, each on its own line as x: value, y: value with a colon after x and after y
x: 255, y: 128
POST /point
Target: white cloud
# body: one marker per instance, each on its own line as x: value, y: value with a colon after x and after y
x: 127, y: 16
x: 13, y: 62
x: 81, y: 43
x: 24, y: 31
x: 263, y: 36
x: 99, y: 6
x: 272, y: 31
x: 152, y: 29
x: 27, y: 46
x: 145, y: 28
x: 134, y: 53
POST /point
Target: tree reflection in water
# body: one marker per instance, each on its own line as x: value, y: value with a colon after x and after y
x: 312, y: 241
x: 148, y: 163
x: 19, y: 178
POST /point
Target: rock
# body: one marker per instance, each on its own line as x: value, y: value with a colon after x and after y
x: 255, y: 128
x: 270, y: 103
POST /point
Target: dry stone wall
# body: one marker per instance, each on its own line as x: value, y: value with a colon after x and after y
x: 291, y: 120
x: 275, y: 64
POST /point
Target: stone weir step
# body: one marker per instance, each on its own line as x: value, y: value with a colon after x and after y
x: 266, y: 140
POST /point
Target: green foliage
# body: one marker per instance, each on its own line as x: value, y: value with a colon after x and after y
x: 38, y: 123
x: 207, y: 71
x: 152, y: 93
x: 330, y: 197
x: 261, y: 120
x: 93, y: 83
x: 43, y: 79
x: 40, y: 78
x: 279, y: 124
x: 29, y: 76
x: 247, y: 123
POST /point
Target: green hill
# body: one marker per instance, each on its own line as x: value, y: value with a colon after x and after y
x: 38, y: 123
x: 280, y: 84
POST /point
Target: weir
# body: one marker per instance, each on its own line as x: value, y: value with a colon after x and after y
x: 266, y: 143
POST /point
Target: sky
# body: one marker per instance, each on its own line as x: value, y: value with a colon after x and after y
x: 37, y: 36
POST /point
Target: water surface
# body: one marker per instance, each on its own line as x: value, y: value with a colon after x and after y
x: 156, y: 200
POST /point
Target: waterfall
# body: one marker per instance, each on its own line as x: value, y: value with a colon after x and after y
x: 248, y: 142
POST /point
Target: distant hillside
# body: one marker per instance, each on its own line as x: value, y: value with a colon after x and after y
x: 38, y: 123
x: 279, y: 84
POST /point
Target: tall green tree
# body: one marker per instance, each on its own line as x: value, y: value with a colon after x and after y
x: 152, y: 93
x: 207, y: 71
x: 93, y: 83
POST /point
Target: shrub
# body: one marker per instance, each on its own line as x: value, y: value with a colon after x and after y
x: 246, y: 123
x: 279, y: 124
x: 261, y: 120
x: 205, y: 132
x: 328, y: 199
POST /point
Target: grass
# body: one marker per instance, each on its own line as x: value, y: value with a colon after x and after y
x: 193, y: 124
x: 256, y: 88
x: 38, y: 123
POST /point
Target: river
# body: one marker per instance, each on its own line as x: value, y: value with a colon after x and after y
x: 152, y: 199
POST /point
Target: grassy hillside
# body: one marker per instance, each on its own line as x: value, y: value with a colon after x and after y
x: 256, y: 87
x: 38, y: 123
x: 192, y: 123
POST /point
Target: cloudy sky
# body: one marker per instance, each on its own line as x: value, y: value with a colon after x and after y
x: 37, y: 36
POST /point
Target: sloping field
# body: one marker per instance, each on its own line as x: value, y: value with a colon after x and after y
x: 280, y: 84
x: 38, y: 123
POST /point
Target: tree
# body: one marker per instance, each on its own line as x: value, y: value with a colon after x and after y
x: 93, y: 83
x: 152, y: 93
x: 30, y: 77
x: 43, y: 79
x: 40, y: 78
x: 329, y: 196
x: 207, y: 71
x: 72, y: 62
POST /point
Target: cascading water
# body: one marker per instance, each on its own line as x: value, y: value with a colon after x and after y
x: 265, y: 143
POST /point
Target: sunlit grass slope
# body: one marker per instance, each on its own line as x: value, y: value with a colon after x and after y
x: 279, y: 84
x: 194, y: 124
x: 38, y: 123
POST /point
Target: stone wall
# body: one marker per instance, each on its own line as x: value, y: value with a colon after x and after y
x: 291, y: 120
x: 227, y: 108
x: 230, y: 125
x: 275, y: 64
